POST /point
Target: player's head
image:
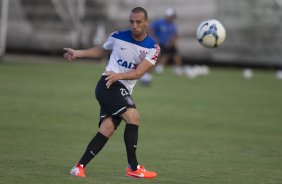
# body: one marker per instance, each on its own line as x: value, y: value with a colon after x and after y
x: 138, y: 20
x: 170, y: 14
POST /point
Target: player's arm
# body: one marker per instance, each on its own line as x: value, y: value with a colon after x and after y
x: 95, y: 52
x: 144, y: 67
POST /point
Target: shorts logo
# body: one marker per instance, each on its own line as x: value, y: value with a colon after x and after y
x: 127, y: 64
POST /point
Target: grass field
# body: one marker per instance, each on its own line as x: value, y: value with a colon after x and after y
x: 215, y: 129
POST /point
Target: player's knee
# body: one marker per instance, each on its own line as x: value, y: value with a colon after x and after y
x: 107, y: 128
x: 107, y: 131
x: 137, y: 118
x: 131, y: 116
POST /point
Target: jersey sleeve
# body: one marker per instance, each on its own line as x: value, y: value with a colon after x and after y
x: 109, y: 44
x: 153, y: 54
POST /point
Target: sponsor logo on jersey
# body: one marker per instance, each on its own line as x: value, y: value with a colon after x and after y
x: 127, y: 64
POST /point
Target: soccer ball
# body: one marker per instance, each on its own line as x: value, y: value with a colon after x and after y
x: 211, y: 33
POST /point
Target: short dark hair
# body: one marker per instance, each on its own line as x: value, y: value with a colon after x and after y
x: 139, y: 10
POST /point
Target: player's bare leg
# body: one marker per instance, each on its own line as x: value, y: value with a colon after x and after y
x: 162, y: 62
x: 178, y: 67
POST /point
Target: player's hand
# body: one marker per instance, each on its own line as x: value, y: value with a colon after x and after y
x: 70, y: 54
x: 111, y: 78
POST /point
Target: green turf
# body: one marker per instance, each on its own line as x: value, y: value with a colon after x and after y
x: 215, y: 129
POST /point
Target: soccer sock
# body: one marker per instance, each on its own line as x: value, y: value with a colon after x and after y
x: 130, y: 140
x: 93, y: 148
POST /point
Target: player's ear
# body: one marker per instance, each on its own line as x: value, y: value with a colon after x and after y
x: 147, y: 22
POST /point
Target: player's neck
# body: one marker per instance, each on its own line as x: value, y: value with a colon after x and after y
x: 140, y: 37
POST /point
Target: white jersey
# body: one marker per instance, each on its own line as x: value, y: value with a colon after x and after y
x: 128, y: 53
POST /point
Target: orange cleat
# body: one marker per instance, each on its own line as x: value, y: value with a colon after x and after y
x: 141, y: 172
x: 78, y: 170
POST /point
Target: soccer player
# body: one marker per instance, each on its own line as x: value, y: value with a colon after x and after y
x: 132, y: 53
x: 164, y: 31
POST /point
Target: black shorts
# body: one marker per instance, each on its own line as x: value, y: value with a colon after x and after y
x: 113, y: 101
x: 168, y: 51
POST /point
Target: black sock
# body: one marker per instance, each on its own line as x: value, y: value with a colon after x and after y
x: 93, y: 148
x: 130, y: 140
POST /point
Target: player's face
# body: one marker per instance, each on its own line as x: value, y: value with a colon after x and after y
x: 138, y: 25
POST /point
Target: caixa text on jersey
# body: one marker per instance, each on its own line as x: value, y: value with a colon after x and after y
x: 127, y: 64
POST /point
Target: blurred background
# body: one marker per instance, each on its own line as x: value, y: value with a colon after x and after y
x: 253, y: 27
x: 223, y: 127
